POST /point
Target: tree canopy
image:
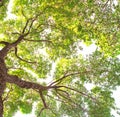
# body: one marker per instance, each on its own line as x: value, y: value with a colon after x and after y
x: 40, y: 42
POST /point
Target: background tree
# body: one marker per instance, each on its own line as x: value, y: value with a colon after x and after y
x: 57, y: 28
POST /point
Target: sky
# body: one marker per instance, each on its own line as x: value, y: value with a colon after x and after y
x: 85, y: 51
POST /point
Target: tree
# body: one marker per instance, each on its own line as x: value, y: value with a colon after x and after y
x: 58, y: 27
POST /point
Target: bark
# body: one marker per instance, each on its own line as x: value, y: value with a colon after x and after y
x: 9, y: 46
x: 1, y: 107
x: 3, y: 72
x: 2, y: 88
x: 24, y: 84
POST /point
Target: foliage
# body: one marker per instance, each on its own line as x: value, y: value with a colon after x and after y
x: 52, y: 31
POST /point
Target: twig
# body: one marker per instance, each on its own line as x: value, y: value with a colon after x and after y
x: 71, y: 102
x: 16, y: 33
x: 105, y: 4
x: 23, y: 14
x: 84, y: 94
x: 40, y: 112
x: 65, y: 76
x: 52, y: 111
x: 31, y: 24
x: 27, y: 22
x: 65, y: 92
x: 7, y: 94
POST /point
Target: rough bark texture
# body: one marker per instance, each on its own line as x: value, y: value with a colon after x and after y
x: 2, y: 87
x: 3, y: 72
x: 1, y: 107
x: 24, y: 84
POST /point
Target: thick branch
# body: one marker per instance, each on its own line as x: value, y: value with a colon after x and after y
x: 6, y: 49
x: 20, y: 38
x: 24, y: 84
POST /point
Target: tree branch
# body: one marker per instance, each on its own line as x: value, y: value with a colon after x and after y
x: 43, y: 100
x: 65, y: 92
x: 70, y: 101
x: 40, y: 112
x: 64, y: 76
x: 82, y: 93
x: 24, y: 33
x: 31, y: 23
x: 105, y: 4
x: 6, y: 49
x: 24, y: 29
x: 24, y: 84
x: 21, y: 58
x: 4, y: 42
x: 7, y: 94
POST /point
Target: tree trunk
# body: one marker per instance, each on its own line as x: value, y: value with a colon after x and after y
x: 1, y: 107
x: 2, y: 88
